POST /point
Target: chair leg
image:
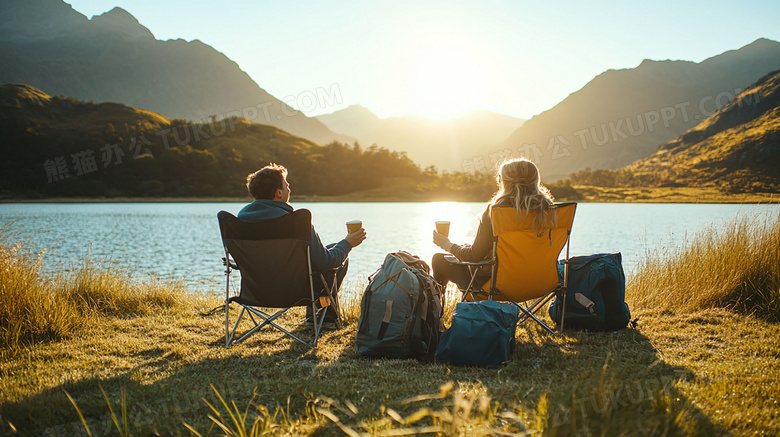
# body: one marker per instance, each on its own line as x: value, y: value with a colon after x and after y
x: 563, y: 308
x: 226, y: 263
x: 227, y: 323
x: 539, y: 303
x: 316, y: 324
x: 332, y: 292
x: 528, y: 314
x: 268, y: 319
x: 469, y: 291
x: 232, y: 332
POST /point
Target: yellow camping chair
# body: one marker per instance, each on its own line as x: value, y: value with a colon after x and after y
x: 524, y: 265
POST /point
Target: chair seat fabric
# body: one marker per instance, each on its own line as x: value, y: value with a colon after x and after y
x: 287, y: 258
x: 272, y: 258
x: 527, y: 257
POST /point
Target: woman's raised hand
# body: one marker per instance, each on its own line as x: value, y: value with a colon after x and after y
x: 442, y: 241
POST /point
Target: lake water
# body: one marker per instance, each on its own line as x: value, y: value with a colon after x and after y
x: 181, y: 240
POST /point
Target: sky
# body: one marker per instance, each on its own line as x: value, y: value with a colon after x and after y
x: 444, y: 58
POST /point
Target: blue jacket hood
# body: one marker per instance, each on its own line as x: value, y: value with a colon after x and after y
x: 263, y: 209
x: 322, y: 257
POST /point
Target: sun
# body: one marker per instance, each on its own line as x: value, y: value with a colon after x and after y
x: 443, y: 75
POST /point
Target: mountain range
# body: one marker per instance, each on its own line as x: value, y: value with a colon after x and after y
x: 624, y: 115
x: 113, y: 58
x: 444, y: 144
x: 737, y: 149
x: 60, y: 146
x: 617, y: 118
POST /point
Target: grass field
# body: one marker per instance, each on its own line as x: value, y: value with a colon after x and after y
x: 149, y: 359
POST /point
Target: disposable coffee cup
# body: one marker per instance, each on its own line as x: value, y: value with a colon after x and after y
x: 354, y: 226
x: 443, y: 227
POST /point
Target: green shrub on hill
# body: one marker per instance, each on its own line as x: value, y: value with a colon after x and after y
x: 60, y: 147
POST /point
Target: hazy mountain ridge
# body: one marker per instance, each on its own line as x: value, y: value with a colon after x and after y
x: 442, y: 143
x: 623, y: 115
x: 354, y: 120
x: 112, y: 57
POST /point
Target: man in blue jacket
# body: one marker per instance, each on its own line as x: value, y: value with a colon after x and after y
x: 271, y: 191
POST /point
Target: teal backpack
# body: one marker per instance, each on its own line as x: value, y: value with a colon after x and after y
x: 482, y: 334
x: 400, y: 312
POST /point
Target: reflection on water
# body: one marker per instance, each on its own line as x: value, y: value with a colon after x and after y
x: 182, y: 239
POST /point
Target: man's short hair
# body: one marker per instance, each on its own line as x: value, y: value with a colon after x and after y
x: 263, y: 183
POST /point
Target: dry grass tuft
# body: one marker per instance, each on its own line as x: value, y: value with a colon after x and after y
x: 735, y: 267
x: 109, y: 291
x: 36, y: 308
x: 32, y: 310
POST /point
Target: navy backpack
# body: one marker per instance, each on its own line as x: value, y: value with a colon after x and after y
x: 596, y: 298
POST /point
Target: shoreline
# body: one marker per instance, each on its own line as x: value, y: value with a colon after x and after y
x: 598, y: 195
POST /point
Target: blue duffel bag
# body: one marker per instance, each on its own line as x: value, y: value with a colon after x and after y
x: 482, y: 333
x: 596, y: 296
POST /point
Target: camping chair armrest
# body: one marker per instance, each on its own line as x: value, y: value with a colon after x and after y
x: 233, y: 265
x: 453, y: 260
x: 325, y: 273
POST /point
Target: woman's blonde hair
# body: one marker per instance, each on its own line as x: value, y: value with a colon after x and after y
x: 520, y: 185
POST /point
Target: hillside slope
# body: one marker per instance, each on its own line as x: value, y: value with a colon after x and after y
x: 737, y: 148
x: 60, y: 146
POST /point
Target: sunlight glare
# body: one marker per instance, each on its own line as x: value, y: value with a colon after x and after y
x: 445, y: 75
x: 463, y: 224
